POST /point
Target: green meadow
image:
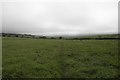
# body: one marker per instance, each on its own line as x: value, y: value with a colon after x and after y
x: 57, y: 58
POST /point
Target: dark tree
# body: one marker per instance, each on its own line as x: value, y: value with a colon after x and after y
x: 60, y: 37
x: 16, y: 35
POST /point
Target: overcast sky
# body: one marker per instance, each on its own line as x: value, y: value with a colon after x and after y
x: 58, y: 17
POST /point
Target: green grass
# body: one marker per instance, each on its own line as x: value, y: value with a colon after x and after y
x: 46, y: 58
x: 0, y: 57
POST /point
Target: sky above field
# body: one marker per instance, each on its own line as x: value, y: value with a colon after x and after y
x: 60, y: 17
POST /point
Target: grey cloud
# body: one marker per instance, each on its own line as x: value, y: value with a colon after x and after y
x: 59, y: 17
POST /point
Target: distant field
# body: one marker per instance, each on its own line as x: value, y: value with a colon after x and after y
x: 51, y: 58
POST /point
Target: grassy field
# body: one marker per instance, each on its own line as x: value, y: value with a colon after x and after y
x: 0, y: 57
x: 47, y: 58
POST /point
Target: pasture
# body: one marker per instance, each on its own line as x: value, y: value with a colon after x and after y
x: 52, y: 58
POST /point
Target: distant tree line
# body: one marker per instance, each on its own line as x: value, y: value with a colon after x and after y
x: 28, y: 36
x: 60, y: 37
x: 95, y: 38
